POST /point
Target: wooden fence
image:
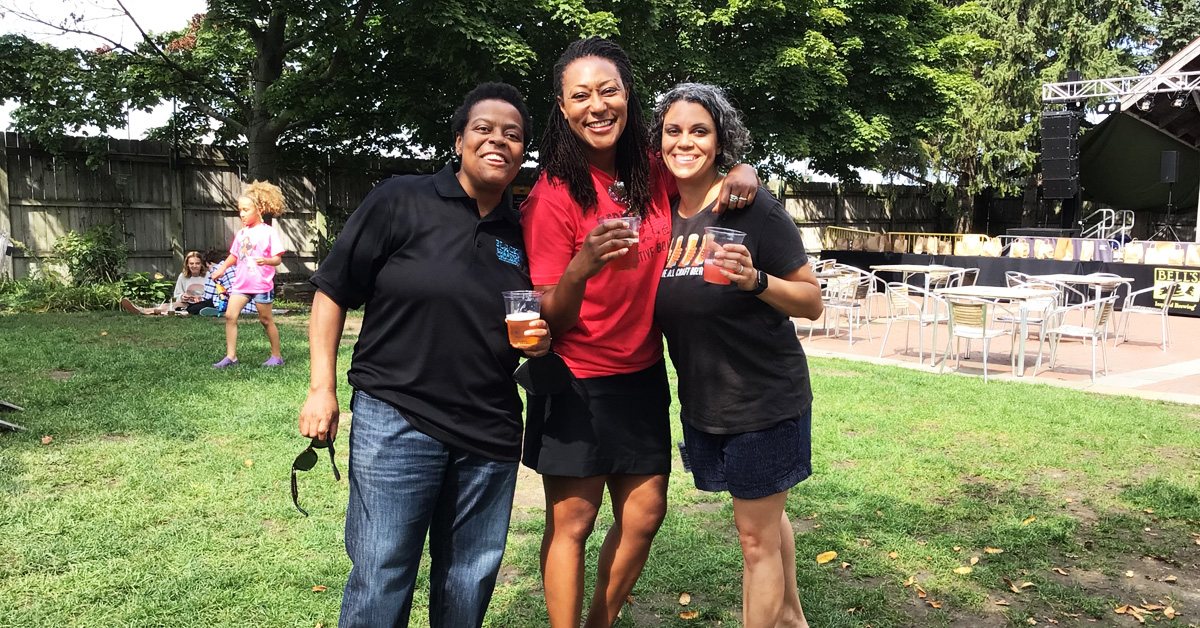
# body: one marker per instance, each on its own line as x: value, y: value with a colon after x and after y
x: 164, y: 204
x: 167, y: 204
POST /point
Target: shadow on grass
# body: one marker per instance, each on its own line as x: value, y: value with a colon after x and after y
x: 114, y: 375
x: 697, y: 552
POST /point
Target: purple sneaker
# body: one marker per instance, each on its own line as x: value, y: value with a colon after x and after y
x: 272, y: 362
x: 225, y: 362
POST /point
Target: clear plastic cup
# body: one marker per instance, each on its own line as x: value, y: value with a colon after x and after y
x: 629, y: 260
x: 522, y: 307
x: 714, y: 240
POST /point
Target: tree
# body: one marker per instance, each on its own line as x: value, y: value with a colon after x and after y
x: 1021, y: 45
x: 846, y: 84
x: 1177, y: 25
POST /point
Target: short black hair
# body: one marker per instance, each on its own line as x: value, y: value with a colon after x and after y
x: 492, y: 91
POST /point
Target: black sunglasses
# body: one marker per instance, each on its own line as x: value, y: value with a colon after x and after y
x: 306, y: 461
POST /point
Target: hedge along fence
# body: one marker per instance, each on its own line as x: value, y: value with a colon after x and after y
x: 165, y: 205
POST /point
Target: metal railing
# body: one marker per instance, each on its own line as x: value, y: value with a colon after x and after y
x: 1111, y: 224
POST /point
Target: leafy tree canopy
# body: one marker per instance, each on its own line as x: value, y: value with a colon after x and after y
x: 845, y: 83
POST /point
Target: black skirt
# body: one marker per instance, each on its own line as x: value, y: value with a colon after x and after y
x: 617, y: 424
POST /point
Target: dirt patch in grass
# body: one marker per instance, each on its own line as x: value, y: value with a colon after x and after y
x: 116, y: 438
x: 274, y: 527
x: 529, y: 500
x: 60, y: 376
x: 508, y: 574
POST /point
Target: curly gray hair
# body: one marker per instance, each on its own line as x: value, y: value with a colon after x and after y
x: 732, y: 136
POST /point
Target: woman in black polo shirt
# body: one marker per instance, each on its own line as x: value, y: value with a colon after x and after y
x: 437, y: 419
x: 744, y: 393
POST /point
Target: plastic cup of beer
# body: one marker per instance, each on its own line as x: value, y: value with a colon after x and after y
x: 522, y: 307
x: 714, y: 240
x: 629, y: 260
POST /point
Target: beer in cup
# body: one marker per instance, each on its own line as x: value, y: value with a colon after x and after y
x: 716, y: 238
x: 629, y: 260
x: 522, y: 307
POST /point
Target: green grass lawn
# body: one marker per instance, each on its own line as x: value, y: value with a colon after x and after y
x: 162, y: 498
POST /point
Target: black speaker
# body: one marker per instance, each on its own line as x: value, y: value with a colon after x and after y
x: 1060, y: 188
x: 1059, y: 147
x: 1169, y: 171
x: 1059, y: 168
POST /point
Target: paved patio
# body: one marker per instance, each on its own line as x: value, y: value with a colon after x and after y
x: 1139, y: 367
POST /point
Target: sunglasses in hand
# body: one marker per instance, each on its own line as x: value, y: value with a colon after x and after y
x: 306, y: 461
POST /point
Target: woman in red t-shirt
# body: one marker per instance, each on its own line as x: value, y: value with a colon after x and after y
x: 611, y: 427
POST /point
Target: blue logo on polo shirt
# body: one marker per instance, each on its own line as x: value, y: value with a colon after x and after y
x: 508, y: 254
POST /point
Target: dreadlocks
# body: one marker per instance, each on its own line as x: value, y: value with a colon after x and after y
x: 561, y: 152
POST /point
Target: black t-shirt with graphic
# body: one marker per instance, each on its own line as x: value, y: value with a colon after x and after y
x: 740, y: 365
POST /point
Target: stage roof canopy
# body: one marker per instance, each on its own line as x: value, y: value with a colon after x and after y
x: 1120, y: 158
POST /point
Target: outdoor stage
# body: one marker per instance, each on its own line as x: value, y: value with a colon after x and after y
x: 992, y: 269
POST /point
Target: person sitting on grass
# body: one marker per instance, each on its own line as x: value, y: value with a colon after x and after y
x: 189, y: 289
x: 216, y: 290
x: 256, y: 250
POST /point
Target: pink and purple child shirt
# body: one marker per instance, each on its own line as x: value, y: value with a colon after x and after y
x: 261, y: 240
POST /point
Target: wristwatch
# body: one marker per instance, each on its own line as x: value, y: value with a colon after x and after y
x: 761, y: 285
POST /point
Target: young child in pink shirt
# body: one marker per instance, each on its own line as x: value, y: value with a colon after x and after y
x: 256, y: 251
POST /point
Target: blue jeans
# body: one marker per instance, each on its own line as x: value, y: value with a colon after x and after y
x: 404, y: 484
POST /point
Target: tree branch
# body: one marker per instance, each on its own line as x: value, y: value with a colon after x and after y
x: 217, y: 115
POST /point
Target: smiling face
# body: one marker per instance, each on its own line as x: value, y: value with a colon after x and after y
x: 595, y: 103
x: 492, y: 146
x: 689, y: 141
x: 195, y: 266
x: 248, y: 212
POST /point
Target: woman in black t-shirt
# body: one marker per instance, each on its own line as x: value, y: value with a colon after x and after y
x: 743, y: 379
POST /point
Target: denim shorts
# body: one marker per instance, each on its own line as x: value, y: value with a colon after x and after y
x: 751, y: 465
x: 261, y: 297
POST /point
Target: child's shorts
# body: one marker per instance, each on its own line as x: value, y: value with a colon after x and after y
x: 262, y: 297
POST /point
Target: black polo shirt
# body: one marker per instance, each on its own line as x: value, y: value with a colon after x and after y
x: 434, y: 343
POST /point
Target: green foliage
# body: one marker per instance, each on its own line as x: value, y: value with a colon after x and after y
x: 49, y: 295
x: 147, y: 288
x: 1178, y: 23
x: 846, y: 84
x: 94, y: 256
x: 1012, y: 47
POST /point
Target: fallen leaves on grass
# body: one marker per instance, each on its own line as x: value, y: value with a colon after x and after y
x: 685, y: 598
x: 46, y: 440
x: 1170, y: 579
x: 248, y: 462
x: 956, y: 548
x: 933, y: 604
x: 1031, y: 621
x: 920, y: 592
x: 1029, y: 521
x: 320, y: 588
x: 993, y: 550
x: 1129, y: 574
x: 962, y: 570
x: 689, y: 614
x: 974, y: 560
x: 825, y: 557
x: 103, y: 333
x: 1014, y: 587
x: 893, y: 555
x: 910, y: 581
x: 1149, y: 511
x: 1060, y: 571
x: 845, y: 565
x: 1002, y: 602
x: 1169, y: 612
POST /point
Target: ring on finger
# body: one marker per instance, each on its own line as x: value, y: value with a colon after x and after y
x: 740, y: 268
x: 734, y: 198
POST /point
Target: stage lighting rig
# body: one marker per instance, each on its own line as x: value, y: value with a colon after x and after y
x: 1146, y: 104
x: 1108, y: 107
x: 1179, y: 100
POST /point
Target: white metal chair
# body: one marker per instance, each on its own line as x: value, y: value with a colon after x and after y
x: 1128, y: 309
x: 848, y: 297
x: 903, y: 308
x: 969, y: 319
x: 1055, y: 329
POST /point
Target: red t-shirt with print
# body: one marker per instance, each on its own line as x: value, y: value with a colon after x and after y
x: 616, y: 332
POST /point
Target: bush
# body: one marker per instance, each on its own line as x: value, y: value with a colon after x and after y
x: 47, y: 295
x: 94, y: 256
x: 147, y: 288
